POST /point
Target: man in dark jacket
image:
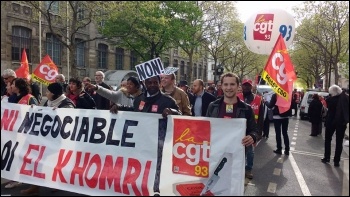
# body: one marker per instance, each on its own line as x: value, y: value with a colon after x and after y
x: 336, y: 121
x: 101, y: 102
x: 230, y: 106
x: 201, y: 100
x: 153, y: 101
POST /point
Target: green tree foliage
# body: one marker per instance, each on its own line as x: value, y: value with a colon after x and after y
x: 236, y: 57
x: 326, y: 24
x: 147, y: 27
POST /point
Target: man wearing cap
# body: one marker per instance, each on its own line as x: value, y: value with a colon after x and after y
x: 181, y: 98
x: 184, y: 86
x: 255, y: 101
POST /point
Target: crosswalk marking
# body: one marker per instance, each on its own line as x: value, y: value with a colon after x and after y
x: 272, y: 187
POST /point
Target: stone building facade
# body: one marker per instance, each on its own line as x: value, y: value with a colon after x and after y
x: 20, y: 29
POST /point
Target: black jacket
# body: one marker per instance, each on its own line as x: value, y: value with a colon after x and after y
x: 207, y: 98
x: 158, y: 103
x: 272, y: 105
x: 36, y: 91
x: 101, y: 102
x: 243, y: 111
x: 315, y: 111
x: 338, y: 110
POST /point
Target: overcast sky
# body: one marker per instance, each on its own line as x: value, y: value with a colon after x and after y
x: 247, y: 8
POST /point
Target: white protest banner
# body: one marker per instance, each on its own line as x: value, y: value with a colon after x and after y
x: 203, y: 156
x: 90, y: 152
x: 170, y: 70
x: 150, y: 69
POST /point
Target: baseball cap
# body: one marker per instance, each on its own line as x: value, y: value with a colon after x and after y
x: 247, y: 81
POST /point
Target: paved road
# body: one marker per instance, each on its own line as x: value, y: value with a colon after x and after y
x: 299, y: 174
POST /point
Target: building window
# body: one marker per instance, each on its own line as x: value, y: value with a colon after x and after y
x: 80, y: 12
x: 80, y: 60
x: 175, y: 64
x: 182, y: 68
x: 133, y: 60
x: 200, y: 71
x: 53, y: 48
x: 21, y: 39
x: 119, y: 58
x: 53, y: 6
x: 102, y: 55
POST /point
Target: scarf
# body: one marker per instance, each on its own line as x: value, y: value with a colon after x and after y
x: 57, y: 102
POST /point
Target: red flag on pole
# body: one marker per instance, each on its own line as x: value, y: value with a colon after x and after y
x: 23, y: 70
x: 46, y: 71
x: 279, y: 73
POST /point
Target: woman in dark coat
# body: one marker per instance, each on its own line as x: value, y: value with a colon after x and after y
x: 315, y: 115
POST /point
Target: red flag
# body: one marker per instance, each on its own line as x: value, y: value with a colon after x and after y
x: 46, y: 71
x: 279, y: 73
x: 23, y: 70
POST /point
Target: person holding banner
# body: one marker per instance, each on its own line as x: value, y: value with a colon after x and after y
x: 21, y: 88
x: 230, y: 106
x: 153, y: 101
x: 55, y: 99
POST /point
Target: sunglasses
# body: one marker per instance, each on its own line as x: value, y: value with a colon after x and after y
x: 6, y: 78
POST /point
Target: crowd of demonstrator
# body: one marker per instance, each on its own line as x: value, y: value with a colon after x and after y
x: 229, y: 98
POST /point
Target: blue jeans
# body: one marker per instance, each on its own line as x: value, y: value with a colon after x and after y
x: 281, y: 127
x: 249, y: 157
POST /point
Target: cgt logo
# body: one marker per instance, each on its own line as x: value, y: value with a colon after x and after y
x: 263, y: 26
x: 191, y: 147
x: 191, y: 152
x: 254, y: 106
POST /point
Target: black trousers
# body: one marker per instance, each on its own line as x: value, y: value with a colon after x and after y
x: 281, y: 127
x: 339, y: 136
x: 266, y: 129
x: 315, y: 128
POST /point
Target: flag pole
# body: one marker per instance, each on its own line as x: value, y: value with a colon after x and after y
x: 68, y: 67
x: 41, y: 85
